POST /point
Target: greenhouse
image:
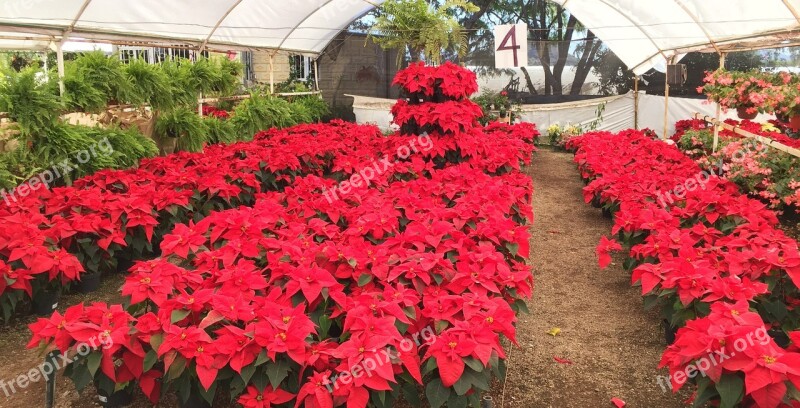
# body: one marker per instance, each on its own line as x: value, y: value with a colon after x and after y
x: 400, y: 203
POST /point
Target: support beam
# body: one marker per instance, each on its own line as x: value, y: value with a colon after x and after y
x: 719, y: 109
x: 271, y: 73
x: 316, y: 74
x: 741, y: 132
x: 636, y: 103
x: 664, y: 136
x: 60, y: 60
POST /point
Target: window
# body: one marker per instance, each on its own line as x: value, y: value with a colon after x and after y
x: 300, y: 67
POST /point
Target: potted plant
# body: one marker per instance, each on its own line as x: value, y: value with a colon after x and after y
x: 750, y: 93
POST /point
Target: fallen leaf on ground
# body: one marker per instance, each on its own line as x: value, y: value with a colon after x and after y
x: 564, y: 361
x: 555, y: 331
x: 618, y: 402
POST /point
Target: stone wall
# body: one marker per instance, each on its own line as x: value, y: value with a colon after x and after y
x: 349, y: 65
x: 353, y: 65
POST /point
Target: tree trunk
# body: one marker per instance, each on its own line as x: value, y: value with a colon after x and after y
x: 528, y: 82
x: 586, y: 64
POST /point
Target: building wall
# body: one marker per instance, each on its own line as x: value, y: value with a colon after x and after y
x: 352, y: 65
x: 349, y: 65
x: 261, y: 66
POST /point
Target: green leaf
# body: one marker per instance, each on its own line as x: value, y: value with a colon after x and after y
x: 262, y: 358
x: 93, y: 362
x: 178, y: 315
x: 150, y: 360
x: 277, y: 372
x: 436, y: 393
x: 731, y: 390
x: 474, y: 364
x: 513, y: 248
x: 364, y: 279
x: 324, y: 326
x: 247, y: 373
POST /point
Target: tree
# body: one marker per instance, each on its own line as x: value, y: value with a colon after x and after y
x: 551, y: 26
x: 426, y: 30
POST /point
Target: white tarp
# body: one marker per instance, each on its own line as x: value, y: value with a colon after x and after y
x: 640, y: 32
x: 643, y: 32
x: 618, y: 114
x: 305, y: 26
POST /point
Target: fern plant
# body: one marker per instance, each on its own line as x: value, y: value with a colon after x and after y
x: 261, y: 112
x: 185, y: 125
x: 150, y: 85
x: 219, y: 130
x: 28, y: 101
x: 103, y: 73
x: 420, y: 27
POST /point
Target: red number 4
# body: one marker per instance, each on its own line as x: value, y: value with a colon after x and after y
x: 512, y: 35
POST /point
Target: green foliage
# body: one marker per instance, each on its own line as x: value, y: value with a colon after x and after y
x: 316, y: 107
x: 262, y: 112
x: 17, y: 166
x: 129, y: 146
x: 150, y: 85
x: 103, y: 73
x: 28, y: 101
x: 421, y: 27
x: 219, y: 130
x: 78, y: 145
x: 184, y: 124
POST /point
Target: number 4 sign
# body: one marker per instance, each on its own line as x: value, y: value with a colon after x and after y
x: 511, y: 45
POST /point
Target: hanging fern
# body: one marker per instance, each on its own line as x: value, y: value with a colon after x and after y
x: 420, y: 27
x: 184, y: 124
x: 28, y: 101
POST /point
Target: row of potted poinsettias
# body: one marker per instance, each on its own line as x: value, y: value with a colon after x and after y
x: 324, y: 290
x: 711, y: 258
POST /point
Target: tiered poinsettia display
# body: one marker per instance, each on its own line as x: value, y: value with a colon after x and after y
x: 768, y: 174
x: 295, y: 299
x: 712, y: 258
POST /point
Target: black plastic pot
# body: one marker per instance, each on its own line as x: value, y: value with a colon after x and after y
x: 123, y: 265
x: 119, y: 399
x: 44, y: 303
x: 780, y: 337
x: 669, y: 332
x: 596, y: 202
x: 194, y: 401
x: 89, y: 283
x: 607, y: 213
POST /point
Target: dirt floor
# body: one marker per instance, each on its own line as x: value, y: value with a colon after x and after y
x: 613, y: 345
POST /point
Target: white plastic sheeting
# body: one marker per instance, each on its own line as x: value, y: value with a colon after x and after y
x: 641, y: 32
x: 303, y: 26
x: 644, y: 32
x: 618, y: 114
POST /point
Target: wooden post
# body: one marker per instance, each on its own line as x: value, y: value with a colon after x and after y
x: 200, y: 104
x: 271, y: 73
x: 666, y: 99
x: 719, y: 109
x: 60, y: 60
x: 636, y: 103
x: 316, y: 74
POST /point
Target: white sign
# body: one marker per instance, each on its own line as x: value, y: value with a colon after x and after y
x: 511, y: 45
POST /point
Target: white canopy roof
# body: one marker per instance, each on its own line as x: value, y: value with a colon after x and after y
x: 644, y: 32
x: 302, y: 26
x: 641, y: 32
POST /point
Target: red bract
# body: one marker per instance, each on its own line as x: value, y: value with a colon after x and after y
x: 707, y: 253
x: 268, y: 273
